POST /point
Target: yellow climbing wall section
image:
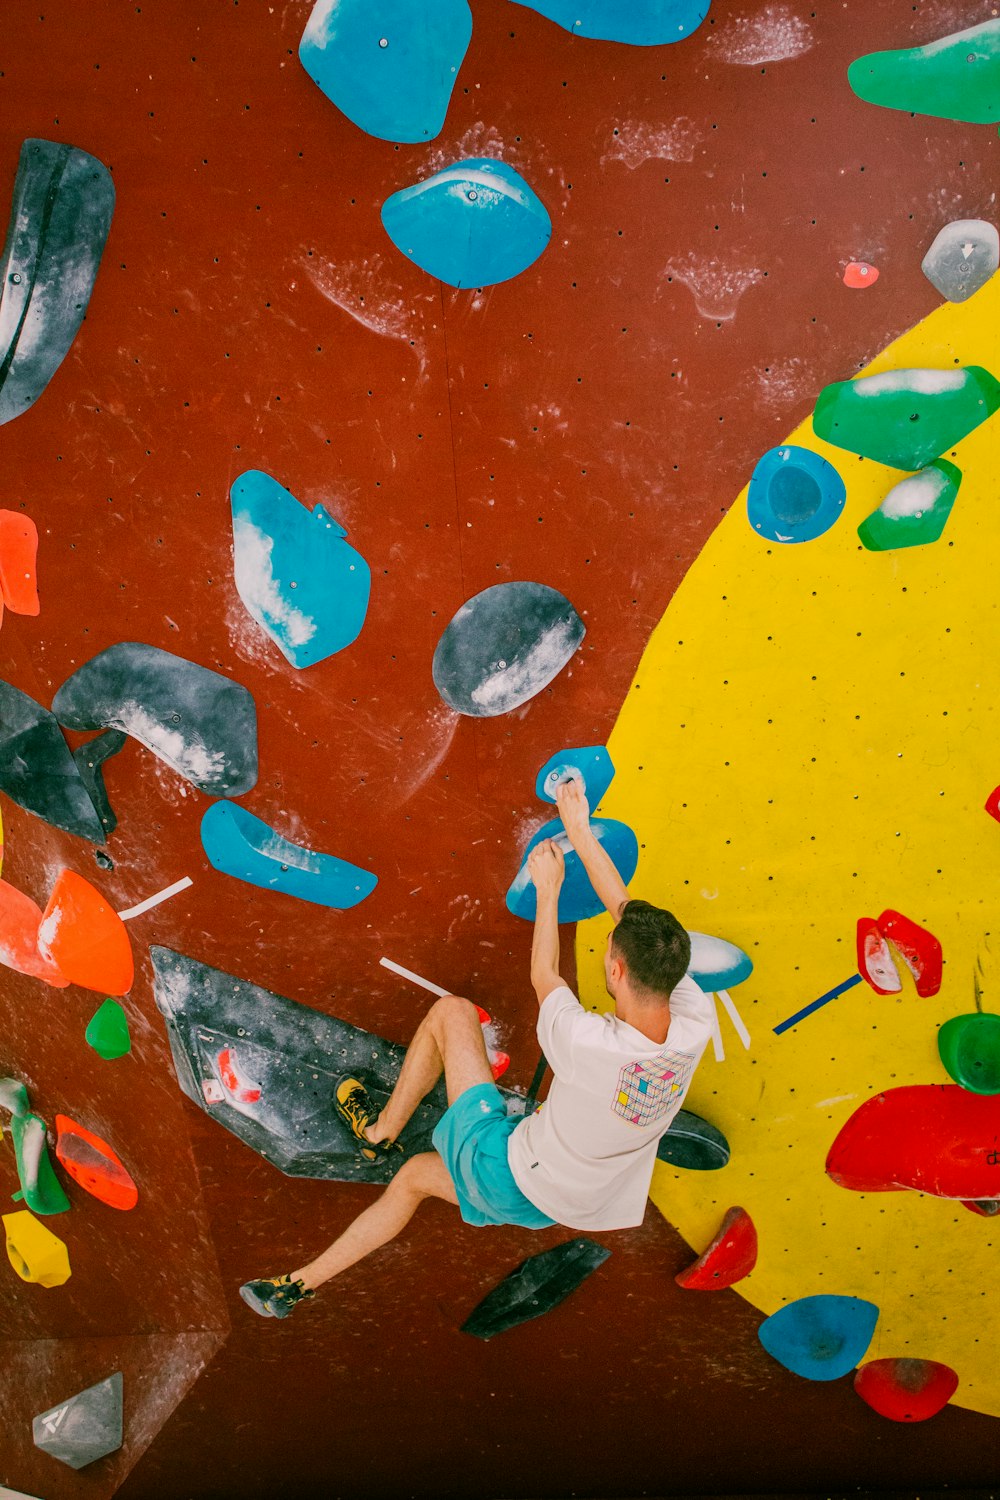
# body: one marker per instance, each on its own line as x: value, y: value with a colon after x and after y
x: 810, y: 737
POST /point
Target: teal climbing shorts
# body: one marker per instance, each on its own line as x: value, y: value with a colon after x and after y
x: 472, y: 1136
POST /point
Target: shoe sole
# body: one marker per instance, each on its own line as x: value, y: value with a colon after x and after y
x: 253, y: 1301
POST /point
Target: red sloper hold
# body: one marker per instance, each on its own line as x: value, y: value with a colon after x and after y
x: 936, y: 1138
x: 92, y: 1163
x: 731, y: 1256
x: 874, y: 959
x: 993, y: 803
x: 920, y: 949
x: 906, y: 1390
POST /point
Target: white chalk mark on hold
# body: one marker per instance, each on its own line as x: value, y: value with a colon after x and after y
x: 425, y: 984
x: 717, y: 1047
x: 151, y: 901
x: 735, y: 1017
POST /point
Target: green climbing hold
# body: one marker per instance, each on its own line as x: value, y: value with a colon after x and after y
x: 14, y: 1096
x: 107, y: 1031
x: 40, y: 1187
x: 915, y: 510
x: 905, y: 418
x: 955, y: 78
x: 970, y: 1049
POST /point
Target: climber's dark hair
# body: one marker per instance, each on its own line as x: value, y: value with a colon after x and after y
x: 653, y: 946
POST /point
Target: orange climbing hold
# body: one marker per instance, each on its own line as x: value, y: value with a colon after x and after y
x: 731, y: 1256
x: 858, y: 274
x: 18, y: 549
x: 19, y: 922
x: 85, y: 937
x: 92, y: 1163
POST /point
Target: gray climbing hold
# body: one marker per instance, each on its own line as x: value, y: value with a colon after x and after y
x: 963, y: 257
x: 84, y: 1428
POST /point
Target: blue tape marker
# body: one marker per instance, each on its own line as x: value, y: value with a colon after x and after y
x: 800, y: 1015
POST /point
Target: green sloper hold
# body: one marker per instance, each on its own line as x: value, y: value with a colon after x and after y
x: 970, y: 1050
x: 956, y: 78
x: 905, y: 418
x: 108, y: 1032
x: 915, y: 510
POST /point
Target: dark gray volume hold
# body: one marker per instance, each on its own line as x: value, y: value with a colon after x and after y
x: 90, y: 760
x: 198, y: 722
x: 535, y: 1287
x: 503, y: 646
x: 693, y: 1143
x: 38, y: 771
x: 59, y: 221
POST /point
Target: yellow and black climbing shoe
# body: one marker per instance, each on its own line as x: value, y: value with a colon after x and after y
x: 358, y: 1110
x: 274, y: 1296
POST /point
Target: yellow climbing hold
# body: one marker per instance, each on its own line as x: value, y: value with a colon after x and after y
x: 34, y: 1251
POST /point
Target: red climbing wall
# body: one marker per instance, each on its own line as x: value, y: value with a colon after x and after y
x: 584, y: 426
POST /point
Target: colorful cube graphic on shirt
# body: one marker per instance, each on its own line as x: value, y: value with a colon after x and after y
x: 650, y: 1090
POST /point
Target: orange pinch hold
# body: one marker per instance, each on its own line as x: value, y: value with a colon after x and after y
x: 92, y: 1163
x: 18, y: 550
x: 859, y: 274
x: 20, y: 919
x: 731, y: 1256
x: 85, y: 937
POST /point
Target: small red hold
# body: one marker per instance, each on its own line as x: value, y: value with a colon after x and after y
x: 906, y: 1390
x: 499, y: 1063
x: 919, y: 948
x: 859, y: 274
x: 993, y: 803
x: 874, y: 959
x: 92, y: 1163
x: 731, y: 1256
x: 243, y: 1089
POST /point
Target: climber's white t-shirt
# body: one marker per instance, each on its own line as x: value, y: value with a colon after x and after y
x: 586, y: 1157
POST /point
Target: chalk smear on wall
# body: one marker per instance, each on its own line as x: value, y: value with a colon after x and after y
x: 785, y: 382
x: 434, y: 737
x: 716, y: 288
x: 364, y: 291
x: 772, y: 35
x: 636, y: 141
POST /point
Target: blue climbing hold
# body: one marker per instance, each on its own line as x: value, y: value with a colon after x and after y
x: 243, y: 846
x: 389, y: 67
x: 641, y: 23
x: 820, y: 1338
x: 795, y: 495
x: 577, y: 898
x: 591, y: 762
x: 717, y: 964
x: 473, y: 224
x: 298, y: 577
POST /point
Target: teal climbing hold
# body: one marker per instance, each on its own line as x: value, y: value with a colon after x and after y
x: 820, y: 1338
x: 107, y: 1031
x: 239, y: 844
x: 40, y: 1187
x: 915, y: 510
x: 906, y: 418
x: 640, y: 23
x: 954, y: 78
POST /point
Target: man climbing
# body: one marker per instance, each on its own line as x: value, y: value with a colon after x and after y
x: 585, y: 1159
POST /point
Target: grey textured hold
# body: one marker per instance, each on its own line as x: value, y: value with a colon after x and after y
x: 963, y: 257
x: 86, y: 1427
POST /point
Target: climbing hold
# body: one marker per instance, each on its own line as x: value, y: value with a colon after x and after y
x: 34, y: 1251
x: 954, y: 78
x: 85, y: 938
x: 298, y: 577
x: 473, y: 224
x: 503, y: 646
x: 641, y: 23
x: 936, y: 1138
x: 20, y: 920
x: 59, y: 220
x: 858, y: 274
x: 234, y: 1080
x: 390, y: 68
x: 37, y: 770
x: 993, y: 803
x: 963, y: 257
x: 40, y: 1187
x: 536, y: 1286
x: 14, y: 1097
x: 198, y: 722
x: 717, y: 964
x: 693, y: 1143
x: 794, y: 495
x: 906, y: 1390
x: 18, y: 548
x: 915, y: 510
x: 92, y: 1163
x: 905, y: 418
x: 590, y: 764
x: 875, y: 962
x: 820, y: 1338
x: 970, y: 1050
x: 85, y: 1427
x: 107, y: 1031
x: 243, y: 846
x: 731, y: 1256
x: 919, y: 949
x: 986, y: 1208
x: 89, y: 759
x: 577, y: 897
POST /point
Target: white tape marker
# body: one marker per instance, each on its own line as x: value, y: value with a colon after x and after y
x: 150, y: 901
x: 717, y: 1047
x: 425, y: 984
x: 735, y: 1017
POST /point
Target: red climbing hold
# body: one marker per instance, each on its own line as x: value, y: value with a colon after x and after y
x: 731, y: 1256
x: 92, y: 1163
x: 858, y: 274
x: 936, y: 1138
x: 993, y: 803
x: 986, y: 1208
x: 919, y: 948
x: 235, y: 1080
x: 18, y: 548
x: 906, y: 1390
x: 499, y: 1063
x: 19, y: 922
x: 85, y: 937
x: 874, y: 959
